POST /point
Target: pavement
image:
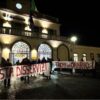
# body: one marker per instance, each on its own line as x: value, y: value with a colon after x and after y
x: 60, y: 86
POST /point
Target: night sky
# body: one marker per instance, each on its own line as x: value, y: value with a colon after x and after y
x: 78, y: 18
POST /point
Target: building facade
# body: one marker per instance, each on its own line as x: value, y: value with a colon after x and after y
x: 17, y: 41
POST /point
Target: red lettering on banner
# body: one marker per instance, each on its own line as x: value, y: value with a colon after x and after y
x: 18, y: 71
x: 28, y: 68
x: 23, y: 70
x: 31, y: 71
x: 11, y: 71
x: 37, y: 68
x: 40, y: 67
x: 33, y: 67
x: 72, y: 64
x: 45, y: 65
x: 2, y: 74
x: 43, y: 68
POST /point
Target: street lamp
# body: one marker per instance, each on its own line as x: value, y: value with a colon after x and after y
x: 73, y: 39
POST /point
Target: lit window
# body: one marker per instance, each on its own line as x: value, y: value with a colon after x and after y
x: 75, y: 57
x: 18, y: 5
x: 44, y: 51
x: 20, y: 50
x: 84, y: 57
x: 20, y: 47
x: 45, y: 31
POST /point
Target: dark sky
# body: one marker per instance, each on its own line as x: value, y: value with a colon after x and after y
x: 76, y: 17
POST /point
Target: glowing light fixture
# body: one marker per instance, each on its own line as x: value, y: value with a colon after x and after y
x: 54, y: 43
x: 45, y: 24
x: 45, y: 31
x: 27, y: 28
x: 73, y: 39
x: 6, y: 24
x: 18, y: 5
x: 34, y: 54
x: 5, y: 53
x: 7, y: 39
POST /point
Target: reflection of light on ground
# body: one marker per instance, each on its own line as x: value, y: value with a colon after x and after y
x: 39, y: 78
x: 54, y: 66
x: 54, y: 76
x: 18, y: 85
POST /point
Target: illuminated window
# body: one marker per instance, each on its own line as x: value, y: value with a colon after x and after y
x: 75, y: 57
x: 20, y: 47
x: 44, y: 51
x: 18, y: 5
x: 84, y: 57
x: 20, y: 50
x: 45, y: 31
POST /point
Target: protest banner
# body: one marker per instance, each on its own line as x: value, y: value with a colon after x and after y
x: 23, y: 70
x: 71, y: 64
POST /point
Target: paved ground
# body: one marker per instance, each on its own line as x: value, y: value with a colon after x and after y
x: 59, y: 87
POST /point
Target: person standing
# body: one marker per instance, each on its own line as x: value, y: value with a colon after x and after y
x: 7, y: 81
x: 8, y: 69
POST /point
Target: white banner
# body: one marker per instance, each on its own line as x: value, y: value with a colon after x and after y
x: 23, y: 70
x: 72, y: 64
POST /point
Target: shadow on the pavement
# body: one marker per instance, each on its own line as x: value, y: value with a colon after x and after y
x: 4, y: 94
x: 50, y: 92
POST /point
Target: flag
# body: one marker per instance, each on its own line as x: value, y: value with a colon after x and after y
x: 31, y: 21
x: 32, y: 9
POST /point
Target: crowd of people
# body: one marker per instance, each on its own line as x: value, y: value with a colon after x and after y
x: 7, y: 64
x: 26, y: 61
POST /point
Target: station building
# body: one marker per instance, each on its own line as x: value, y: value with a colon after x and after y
x: 17, y: 41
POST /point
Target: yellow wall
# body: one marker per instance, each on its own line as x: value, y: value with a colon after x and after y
x: 87, y: 50
x: 62, y: 53
x: 44, y: 23
x: 7, y: 42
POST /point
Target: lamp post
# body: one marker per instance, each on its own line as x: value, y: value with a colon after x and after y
x: 73, y: 40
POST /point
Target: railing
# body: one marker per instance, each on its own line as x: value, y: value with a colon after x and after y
x: 18, y: 32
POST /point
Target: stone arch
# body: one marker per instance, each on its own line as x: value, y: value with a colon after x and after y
x: 19, y: 50
x: 63, y: 52
x: 44, y: 50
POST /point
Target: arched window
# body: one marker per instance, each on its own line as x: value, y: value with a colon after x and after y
x: 20, y: 47
x: 44, y: 50
x: 84, y: 57
x: 20, y: 50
